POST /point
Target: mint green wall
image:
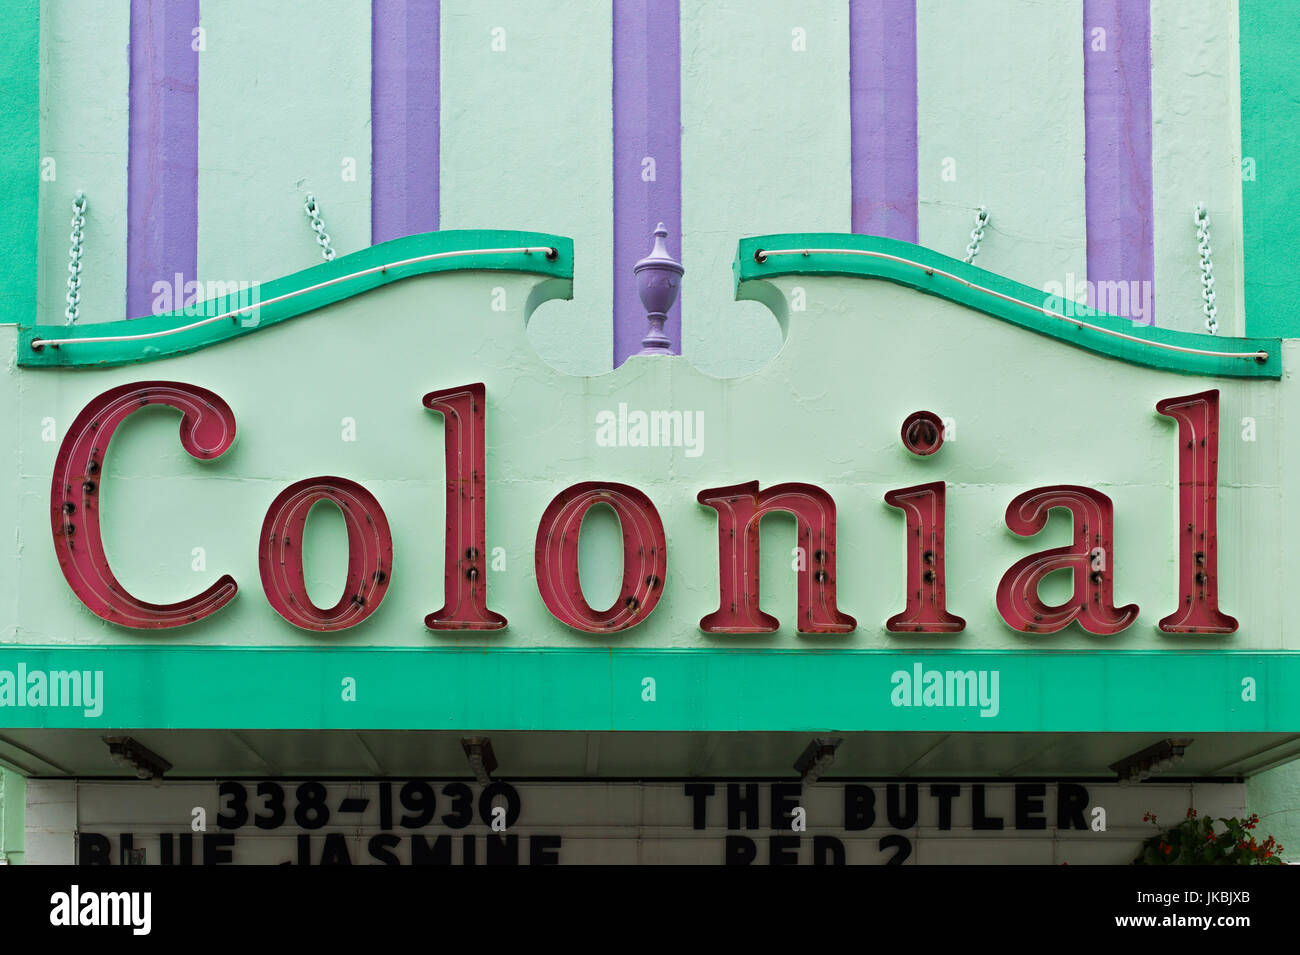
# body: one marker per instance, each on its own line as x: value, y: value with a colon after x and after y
x: 765, y: 148
x: 13, y: 794
x: 527, y: 144
x: 281, y: 107
x: 1196, y: 157
x: 1006, y: 107
x: 85, y: 75
x: 278, y: 116
x: 1275, y: 795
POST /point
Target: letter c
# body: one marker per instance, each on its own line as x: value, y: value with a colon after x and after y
x: 207, y: 431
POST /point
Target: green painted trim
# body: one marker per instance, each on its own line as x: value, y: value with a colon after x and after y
x: 747, y: 270
x: 1270, y: 136
x: 704, y: 689
x: 20, y: 156
x: 103, y: 354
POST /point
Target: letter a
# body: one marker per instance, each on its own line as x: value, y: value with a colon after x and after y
x: 1091, y: 603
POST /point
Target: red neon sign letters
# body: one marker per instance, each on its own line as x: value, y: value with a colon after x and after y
x: 645, y: 557
x: 1089, y: 559
x: 740, y: 507
x: 208, y: 429
x: 464, y: 582
x: 370, y: 554
x: 1198, y: 491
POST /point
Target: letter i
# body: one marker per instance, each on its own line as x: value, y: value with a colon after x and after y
x: 923, y: 506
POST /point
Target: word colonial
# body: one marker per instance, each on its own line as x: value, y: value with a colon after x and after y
x: 208, y: 430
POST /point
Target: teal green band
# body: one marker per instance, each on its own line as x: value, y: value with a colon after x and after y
x: 479, y: 246
x: 924, y: 276
x: 20, y: 157
x: 1270, y: 133
x: 703, y: 689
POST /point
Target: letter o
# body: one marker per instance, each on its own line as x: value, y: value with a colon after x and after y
x: 370, y: 554
x: 645, y: 557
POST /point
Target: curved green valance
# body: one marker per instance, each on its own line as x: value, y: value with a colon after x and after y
x: 873, y: 257
x: 227, y: 316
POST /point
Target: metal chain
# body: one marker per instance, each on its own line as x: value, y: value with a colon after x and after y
x: 318, y: 226
x: 74, y: 258
x: 977, y: 235
x: 1202, y: 219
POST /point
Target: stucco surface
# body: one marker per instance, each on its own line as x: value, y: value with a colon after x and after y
x: 1000, y: 124
x: 526, y: 144
x: 85, y: 74
x: 758, y: 156
x: 1275, y: 795
x: 279, y: 113
x: 1196, y: 157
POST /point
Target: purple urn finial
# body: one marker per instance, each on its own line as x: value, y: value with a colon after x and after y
x: 658, y: 280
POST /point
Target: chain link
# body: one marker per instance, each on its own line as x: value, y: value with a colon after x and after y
x: 977, y: 235
x: 1202, y: 219
x: 74, y: 259
x: 318, y: 226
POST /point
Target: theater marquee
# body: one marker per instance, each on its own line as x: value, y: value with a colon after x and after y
x: 733, y: 822
x: 946, y: 504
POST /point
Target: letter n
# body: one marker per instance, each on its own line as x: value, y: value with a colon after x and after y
x: 740, y: 508
x: 1091, y: 602
x: 1198, y: 490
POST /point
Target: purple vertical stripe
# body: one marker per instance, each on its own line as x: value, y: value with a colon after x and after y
x: 882, y: 103
x: 647, y: 125
x: 1117, y: 130
x: 163, y: 150
x: 404, y: 104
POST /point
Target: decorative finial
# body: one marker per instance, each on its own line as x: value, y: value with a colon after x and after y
x: 658, y: 281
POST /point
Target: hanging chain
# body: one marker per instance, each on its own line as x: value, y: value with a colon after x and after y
x: 318, y: 226
x: 1202, y: 219
x: 74, y: 258
x: 977, y: 235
